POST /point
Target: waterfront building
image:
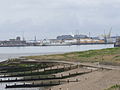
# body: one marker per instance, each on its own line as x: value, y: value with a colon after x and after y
x: 80, y: 36
x: 70, y: 37
x: 111, y: 39
x: 64, y: 37
x: 13, y: 42
x: 117, y: 44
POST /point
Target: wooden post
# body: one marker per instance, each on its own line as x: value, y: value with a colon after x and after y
x: 68, y: 81
x: 61, y: 75
x: 50, y: 82
x: 60, y: 88
x: 59, y: 81
x: 64, y: 66
x: 51, y: 68
x: 69, y: 74
x: 76, y: 80
x: 70, y: 66
x: 77, y: 66
x: 57, y: 67
x: 42, y: 83
x: 24, y: 78
x: 54, y: 76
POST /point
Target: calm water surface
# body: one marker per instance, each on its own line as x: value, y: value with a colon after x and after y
x: 12, y: 52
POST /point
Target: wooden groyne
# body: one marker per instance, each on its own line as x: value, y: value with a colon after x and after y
x: 37, y: 72
x: 42, y: 84
x: 47, y: 78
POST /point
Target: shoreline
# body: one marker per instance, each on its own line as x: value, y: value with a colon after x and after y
x: 101, y: 62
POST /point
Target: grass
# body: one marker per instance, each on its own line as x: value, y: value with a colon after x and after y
x: 115, y: 87
x: 109, y: 55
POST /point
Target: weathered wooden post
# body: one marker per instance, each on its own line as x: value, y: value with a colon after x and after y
x: 51, y: 67
x: 69, y: 74
x: 11, y: 74
x: 64, y: 66
x: 68, y: 81
x: 16, y: 79
x: 33, y: 83
x: 70, y: 66
x: 57, y: 67
x: 50, y: 82
x: 77, y: 80
x: 39, y: 77
x: 61, y: 75
x: 6, y: 85
x: 59, y: 82
x: 54, y: 76
x: 24, y: 78
x: 60, y: 88
x: 42, y: 83
x: 77, y: 66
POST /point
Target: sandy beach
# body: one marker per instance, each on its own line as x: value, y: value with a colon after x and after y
x: 98, y: 80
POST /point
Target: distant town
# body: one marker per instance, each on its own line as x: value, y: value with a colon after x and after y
x: 63, y: 40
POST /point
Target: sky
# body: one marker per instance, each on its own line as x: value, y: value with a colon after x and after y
x: 50, y: 18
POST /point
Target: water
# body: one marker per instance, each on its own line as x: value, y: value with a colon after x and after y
x: 11, y: 52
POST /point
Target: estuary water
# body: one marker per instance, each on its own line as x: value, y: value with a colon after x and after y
x: 12, y: 52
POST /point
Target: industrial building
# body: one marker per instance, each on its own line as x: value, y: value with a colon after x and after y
x: 13, y: 42
x: 70, y: 37
x: 117, y: 44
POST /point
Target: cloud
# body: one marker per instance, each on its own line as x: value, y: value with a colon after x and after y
x: 53, y: 17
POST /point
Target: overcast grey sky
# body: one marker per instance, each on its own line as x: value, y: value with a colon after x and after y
x: 49, y: 18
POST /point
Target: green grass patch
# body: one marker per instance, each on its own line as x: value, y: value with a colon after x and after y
x: 115, y: 87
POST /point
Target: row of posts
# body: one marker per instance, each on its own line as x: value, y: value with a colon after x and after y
x: 45, y: 69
